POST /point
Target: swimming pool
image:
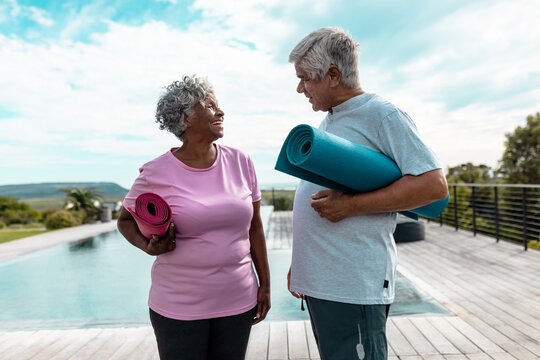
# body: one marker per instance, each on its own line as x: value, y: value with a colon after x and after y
x: 104, y: 281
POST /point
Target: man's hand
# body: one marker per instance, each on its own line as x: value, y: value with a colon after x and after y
x: 160, y: 245
x: 331, y: 205
x: 294, y: 293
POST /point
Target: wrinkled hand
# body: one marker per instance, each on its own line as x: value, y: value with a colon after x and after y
x: 331, y: 205
x: 263, y: 304
x: 294, y: 293
x: 160, y: 245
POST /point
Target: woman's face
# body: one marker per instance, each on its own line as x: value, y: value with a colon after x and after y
x: 207, y: 121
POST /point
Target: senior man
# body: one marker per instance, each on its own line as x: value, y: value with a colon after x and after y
x: 344, y: 255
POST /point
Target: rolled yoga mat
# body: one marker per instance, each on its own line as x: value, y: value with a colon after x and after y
x: 339, y: 164
x: 152, y: 214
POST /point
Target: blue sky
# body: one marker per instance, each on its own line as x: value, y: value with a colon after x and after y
x: 79, y: 80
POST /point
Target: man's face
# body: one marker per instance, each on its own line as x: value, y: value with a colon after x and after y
x: 318, y: 92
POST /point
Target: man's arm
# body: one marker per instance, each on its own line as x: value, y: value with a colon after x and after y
x: 406, y: 193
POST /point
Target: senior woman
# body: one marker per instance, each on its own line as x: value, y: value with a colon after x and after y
x: 204, y: 295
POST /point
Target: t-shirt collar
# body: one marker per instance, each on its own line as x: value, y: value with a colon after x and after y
x: 352, y: 103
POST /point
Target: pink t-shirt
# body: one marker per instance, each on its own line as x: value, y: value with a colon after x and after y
x: 210, y: 273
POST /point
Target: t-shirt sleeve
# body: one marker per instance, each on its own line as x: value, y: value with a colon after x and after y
x: 399, y: 139
x: 140, y: 186
x: 252, y: 179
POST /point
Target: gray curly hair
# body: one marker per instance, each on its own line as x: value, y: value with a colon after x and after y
x: 178, y: 101
x: 324, y: 47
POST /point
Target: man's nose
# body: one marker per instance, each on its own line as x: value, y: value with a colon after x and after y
x: 300, y: 87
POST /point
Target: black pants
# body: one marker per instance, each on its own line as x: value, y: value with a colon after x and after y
x: 207, y: 339
x: 349, y: 331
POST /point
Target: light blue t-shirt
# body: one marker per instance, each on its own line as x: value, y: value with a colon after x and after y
x: 354, y: 260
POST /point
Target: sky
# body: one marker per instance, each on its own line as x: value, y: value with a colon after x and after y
x: 79, y: 80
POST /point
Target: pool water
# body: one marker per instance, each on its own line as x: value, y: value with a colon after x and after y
x: 104, y: 281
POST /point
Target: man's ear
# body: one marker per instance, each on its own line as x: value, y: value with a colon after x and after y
x: 335, y: 76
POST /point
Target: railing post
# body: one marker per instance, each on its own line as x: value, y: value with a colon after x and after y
x: 473, y: 211
x: 496, y: 206
x: 273, y: 199
x: 524, y: 211
x: 455, y: 208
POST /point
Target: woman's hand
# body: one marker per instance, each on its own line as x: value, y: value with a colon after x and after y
x: 294, y: 293
x: 160, y: 245
x: 263, y: 303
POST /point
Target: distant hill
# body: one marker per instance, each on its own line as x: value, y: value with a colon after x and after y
x: 51, y: 190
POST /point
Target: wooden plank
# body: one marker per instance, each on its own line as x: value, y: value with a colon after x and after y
x: 31, y: 345
x: 298, y: 346
x: 480, y: 356
x: 277, y: 343
x: 62, y: 341
x: 148, y: 349
x: 399, y: 343
x: 418, y: 341
x: 434, y: 336
x: 476, y: 337
x: 258, y: 342
x: 79, y: 338
x: 496, y: 336
x: 433, y: 357
x: 132, y: 346
x: 312, y: 344
x: 12, y: 339
x: 90, y: 347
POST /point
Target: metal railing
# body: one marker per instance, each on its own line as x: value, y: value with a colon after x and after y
x: 509, y: 212
x: 501, y: 211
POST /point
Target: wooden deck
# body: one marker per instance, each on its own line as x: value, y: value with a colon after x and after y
x: 490, y: 289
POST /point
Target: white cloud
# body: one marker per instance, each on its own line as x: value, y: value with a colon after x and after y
x: 484, y: 56
x: 90, y: 97
x: 39, y: 16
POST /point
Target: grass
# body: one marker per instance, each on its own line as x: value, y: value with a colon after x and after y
x: 7, y: 235
x: 41, y: 204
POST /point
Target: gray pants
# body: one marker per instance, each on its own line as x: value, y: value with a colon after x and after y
x: 349, y: 331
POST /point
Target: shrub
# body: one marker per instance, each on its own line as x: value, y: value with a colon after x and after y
x: 45, y: 213
x: 283, y: 203
x: 12, y: 217
x: 79, y: 215
x: 61, y: 219
x: 14, y: 212
x: 2, y: 224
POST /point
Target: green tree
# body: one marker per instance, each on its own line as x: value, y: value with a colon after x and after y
x: 14, y: 212
x: 86, y: 199
x: 520, y: 163
x: 470, y: 174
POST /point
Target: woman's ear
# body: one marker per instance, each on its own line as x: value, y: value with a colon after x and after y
x: 335, y: 75
x: 187, y: 120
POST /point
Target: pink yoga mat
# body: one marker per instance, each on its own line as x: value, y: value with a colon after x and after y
x: 152, y: 214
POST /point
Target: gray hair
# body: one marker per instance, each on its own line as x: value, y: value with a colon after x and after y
x: 324, y: 47
x: 178, y: 101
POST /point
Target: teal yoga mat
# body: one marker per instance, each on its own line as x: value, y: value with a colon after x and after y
x: 338, y: 164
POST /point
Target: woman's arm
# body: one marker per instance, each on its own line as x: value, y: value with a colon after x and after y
x: 260, y: 260
x: 154, y: 246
